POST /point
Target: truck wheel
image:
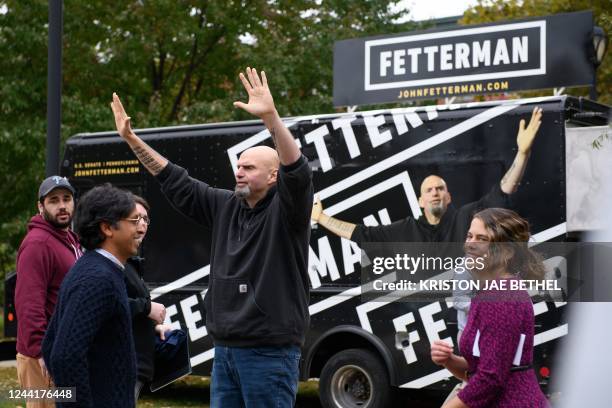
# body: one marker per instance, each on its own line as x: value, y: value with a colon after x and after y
x: 354, y: 378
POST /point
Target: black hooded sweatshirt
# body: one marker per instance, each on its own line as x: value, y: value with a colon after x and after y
x: 258, y: 291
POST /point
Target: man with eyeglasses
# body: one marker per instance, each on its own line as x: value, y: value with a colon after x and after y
x: 88, y: 344
x: 47, y: 252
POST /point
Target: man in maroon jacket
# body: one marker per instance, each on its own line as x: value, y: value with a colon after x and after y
x: 47, y: 252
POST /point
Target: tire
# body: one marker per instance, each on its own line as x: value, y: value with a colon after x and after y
x: 354, y: 378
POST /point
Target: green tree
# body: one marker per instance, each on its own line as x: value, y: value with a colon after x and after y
x: 22, y: 119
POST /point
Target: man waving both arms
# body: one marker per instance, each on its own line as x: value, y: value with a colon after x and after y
x: 441, y: 222
x: 257, y: 299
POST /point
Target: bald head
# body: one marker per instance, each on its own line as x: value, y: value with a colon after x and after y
x: 432, y: 180
x: 434, y: 198
x: 264, y: 155
x: 256, y: 173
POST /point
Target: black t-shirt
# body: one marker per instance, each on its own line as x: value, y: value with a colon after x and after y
x: 453, y: 226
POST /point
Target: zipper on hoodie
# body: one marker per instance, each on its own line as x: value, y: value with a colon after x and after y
x: 247, y: 224
x: 75, y: 247
x: 77, y: 252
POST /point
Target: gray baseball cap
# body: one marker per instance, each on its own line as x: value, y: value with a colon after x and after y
x: 51, y: 183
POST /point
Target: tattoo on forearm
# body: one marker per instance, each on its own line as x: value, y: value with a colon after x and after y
x: 147, y: 160
x: 273, y: 134
x: 340, y: 225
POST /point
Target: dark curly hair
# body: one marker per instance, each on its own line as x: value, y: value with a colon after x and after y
x: 509, y: 243
x: 104, y: 203
x: 139, y: 200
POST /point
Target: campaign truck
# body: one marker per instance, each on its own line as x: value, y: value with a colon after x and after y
x: 367, y: 168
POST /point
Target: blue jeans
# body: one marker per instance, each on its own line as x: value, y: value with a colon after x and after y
x: 255, y: 377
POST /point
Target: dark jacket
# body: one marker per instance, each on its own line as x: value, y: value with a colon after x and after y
x: 258, y: 291
x: 44, y: 258
x: 88, y: 344
x: 143, y: 328
x: 453, y: 226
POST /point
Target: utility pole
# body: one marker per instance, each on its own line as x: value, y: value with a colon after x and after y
x: 54, y: 86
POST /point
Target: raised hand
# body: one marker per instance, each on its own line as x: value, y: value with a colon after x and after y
x: 122, y: 120
x: 260, y: 102
x: 526, y: 135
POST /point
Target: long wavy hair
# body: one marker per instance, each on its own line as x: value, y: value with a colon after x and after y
x: 509, y: 244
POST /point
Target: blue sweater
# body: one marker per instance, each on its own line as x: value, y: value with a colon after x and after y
x: 88, y: 343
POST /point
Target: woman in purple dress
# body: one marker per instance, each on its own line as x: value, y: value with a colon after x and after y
x: 497, y: 343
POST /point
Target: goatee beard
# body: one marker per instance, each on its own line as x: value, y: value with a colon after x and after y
x: 242, y: 192
x: 437, y: 210
x: 53, y: 221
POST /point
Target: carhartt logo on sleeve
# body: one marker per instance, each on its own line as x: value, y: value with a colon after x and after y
x: 242, y: 288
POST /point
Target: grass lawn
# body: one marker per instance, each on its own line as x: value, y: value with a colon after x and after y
x: 194, y: 391
x: 190, y: 391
